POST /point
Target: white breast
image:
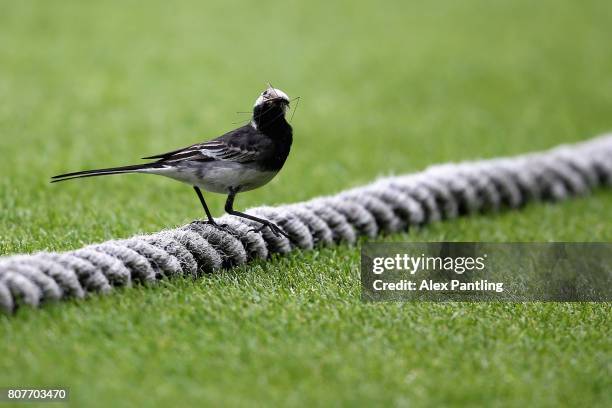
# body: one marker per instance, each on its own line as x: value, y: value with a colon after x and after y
x: 219, y: 177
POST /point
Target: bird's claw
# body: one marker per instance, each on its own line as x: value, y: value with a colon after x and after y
x: 200, y: 222
x: 222, y: 227
x: 205, y: 222
x: 275, y: 229
x: 225, y: 228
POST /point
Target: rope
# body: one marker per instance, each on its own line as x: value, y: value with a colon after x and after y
x: 388, y: 205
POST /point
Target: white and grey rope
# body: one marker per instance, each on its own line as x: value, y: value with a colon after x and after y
x: 388, y: 205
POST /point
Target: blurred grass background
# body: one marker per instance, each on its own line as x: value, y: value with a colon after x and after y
x: 387, y: 87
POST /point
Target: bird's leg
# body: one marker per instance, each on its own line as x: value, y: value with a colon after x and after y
x: 210, y: 221
x: 229, y: 208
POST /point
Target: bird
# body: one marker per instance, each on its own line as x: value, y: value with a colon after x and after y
x: 240, y: 160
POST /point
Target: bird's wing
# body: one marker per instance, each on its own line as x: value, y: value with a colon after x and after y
x: 237, y: 148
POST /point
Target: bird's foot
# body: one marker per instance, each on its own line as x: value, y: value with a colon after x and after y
x: 276, y: 230
x: 203, y: 222
x: 222, y: 227
x: 225, y: 228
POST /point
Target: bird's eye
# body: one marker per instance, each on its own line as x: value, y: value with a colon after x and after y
x: 265, y: 93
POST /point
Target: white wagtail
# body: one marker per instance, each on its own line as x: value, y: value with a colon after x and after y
x: 241, y: 160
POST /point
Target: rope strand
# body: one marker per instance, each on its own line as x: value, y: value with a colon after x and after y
x: 388, y: 205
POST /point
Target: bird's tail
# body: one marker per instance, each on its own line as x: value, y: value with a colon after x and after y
x: 104, y: 172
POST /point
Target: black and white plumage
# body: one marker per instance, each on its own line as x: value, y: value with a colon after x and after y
x: 240, y: 160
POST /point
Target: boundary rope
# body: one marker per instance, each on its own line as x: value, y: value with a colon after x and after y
x: 388, y: 205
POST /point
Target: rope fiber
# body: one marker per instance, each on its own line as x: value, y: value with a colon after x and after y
x: 387, y: 205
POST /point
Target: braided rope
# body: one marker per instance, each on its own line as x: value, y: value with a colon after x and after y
x: 388, y: 205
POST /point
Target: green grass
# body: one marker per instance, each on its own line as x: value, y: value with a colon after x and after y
x: 90, y: 85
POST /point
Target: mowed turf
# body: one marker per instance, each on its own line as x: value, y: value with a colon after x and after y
x: 385, y: 88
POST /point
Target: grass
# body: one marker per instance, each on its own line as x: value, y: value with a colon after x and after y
x: 386, y: 88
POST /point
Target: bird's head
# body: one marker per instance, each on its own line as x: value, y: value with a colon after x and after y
x: 271, y: 99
